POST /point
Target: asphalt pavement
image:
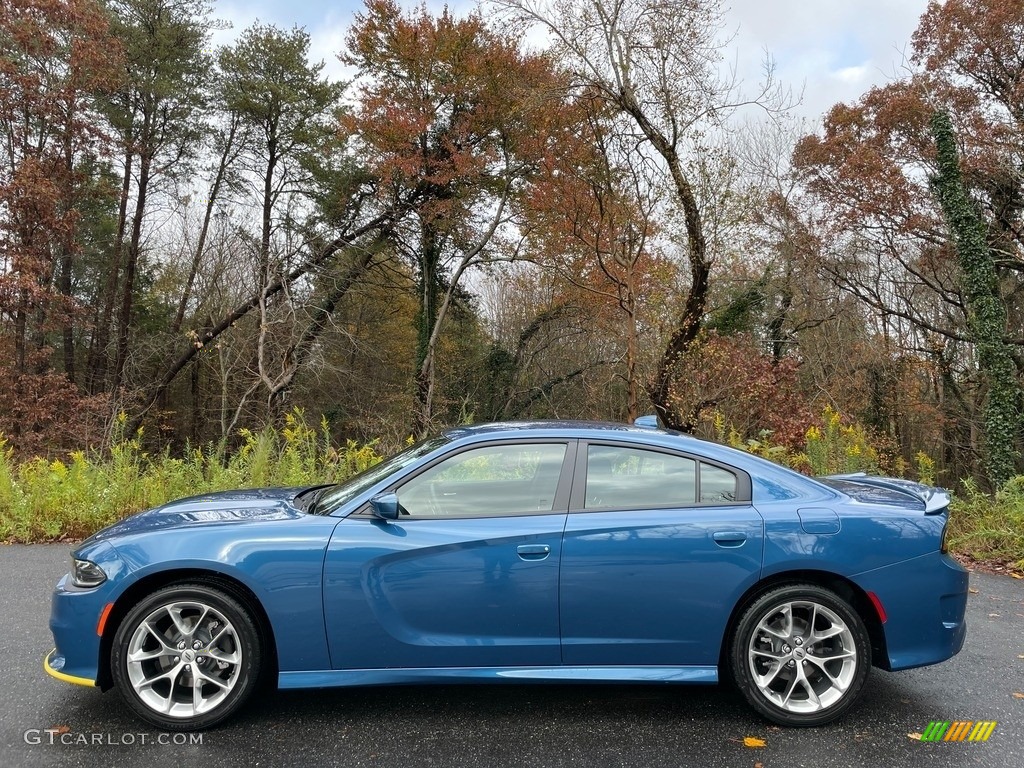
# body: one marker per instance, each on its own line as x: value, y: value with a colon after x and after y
x: 45, y: 722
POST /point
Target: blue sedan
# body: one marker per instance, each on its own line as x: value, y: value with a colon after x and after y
x: 547, y: 551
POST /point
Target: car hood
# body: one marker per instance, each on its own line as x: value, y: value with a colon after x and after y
x: 257, y: 504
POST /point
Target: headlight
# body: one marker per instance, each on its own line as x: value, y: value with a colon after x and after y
x: 86, y: 574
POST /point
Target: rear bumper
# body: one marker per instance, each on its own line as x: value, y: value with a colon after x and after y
x: 925, y: 599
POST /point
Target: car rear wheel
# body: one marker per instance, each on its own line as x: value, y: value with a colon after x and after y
x: 186, y: 657
x: 800, y: 655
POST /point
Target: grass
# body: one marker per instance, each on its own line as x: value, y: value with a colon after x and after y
x: 44, y: 500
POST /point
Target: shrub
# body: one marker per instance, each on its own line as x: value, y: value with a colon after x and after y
x: 830, y: 446
x: 989, y: 527
x: 44, y: 500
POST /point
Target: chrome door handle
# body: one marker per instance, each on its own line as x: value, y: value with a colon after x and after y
x: 533, y: 551
x: 729, y: 538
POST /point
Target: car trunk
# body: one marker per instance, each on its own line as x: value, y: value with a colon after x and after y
x: 893, y: 491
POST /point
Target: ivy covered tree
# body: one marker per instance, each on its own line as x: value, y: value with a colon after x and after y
x: 986, y: 313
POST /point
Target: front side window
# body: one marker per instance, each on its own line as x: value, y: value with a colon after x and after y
x: 621, y: 478
x: 339, y: 495
x: 495, y: 480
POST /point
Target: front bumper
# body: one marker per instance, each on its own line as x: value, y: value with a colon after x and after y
x: 54, y: 664
x: 925, y: 599
x: 74, y: 618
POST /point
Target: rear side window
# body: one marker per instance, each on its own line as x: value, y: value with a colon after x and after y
x: 621, y: 477
x: 717, y: 485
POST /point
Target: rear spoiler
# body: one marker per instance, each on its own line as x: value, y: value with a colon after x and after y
x: 935, y: 500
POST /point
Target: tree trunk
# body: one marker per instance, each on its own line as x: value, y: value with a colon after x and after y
x: 430, y: 259
x: 632, y: 390
x: 20, y: 331
x: 691, y: 319
x: 68, y: 330
x: 64, y: 266
x: 268, y: 209
x: 222, y: 167
x: 97, y: 365
x: 131, y: 266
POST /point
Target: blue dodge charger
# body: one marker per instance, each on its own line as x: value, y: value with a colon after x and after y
x: 546, y: 551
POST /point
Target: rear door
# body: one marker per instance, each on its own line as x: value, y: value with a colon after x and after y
x: 468, y: 574
x: 658, y: 547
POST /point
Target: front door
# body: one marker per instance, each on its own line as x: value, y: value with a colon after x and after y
x: 467, y: 576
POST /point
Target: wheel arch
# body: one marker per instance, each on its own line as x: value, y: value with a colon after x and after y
x: 848, y: 590
x: 152, y: 582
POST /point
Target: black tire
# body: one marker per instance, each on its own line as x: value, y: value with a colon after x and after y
x: 225, y: 657
x: 790, y: 678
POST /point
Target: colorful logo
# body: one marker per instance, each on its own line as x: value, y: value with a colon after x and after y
x: 958, y: 730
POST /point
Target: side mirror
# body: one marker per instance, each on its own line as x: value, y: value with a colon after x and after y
x: 385, y: 506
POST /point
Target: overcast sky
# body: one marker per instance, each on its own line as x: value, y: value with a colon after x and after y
x: 832, y: 50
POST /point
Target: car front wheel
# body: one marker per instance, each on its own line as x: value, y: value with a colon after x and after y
x: 186, y: 657
x: 800, y: 655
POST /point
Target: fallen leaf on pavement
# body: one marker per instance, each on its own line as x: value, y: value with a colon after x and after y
x: 973, y: 591
x: 750, y: 741
x: 1018, y: 695
x: 914, y: 736
x: 1017, y: 576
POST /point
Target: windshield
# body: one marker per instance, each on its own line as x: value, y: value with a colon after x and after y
x: 342, y: 494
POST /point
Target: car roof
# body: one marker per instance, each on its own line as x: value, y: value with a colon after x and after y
x: 568, y: 428
x: 553, y: 425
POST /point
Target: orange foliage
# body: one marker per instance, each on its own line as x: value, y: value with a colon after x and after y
x: 735, y: 377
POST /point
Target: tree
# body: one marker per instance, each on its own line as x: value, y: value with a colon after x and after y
x: 591, y: 217
x: 657, y: 62
x: 287, y: 107
x: 451, y: 117
x: 157, y: 116
x: 894, y: 247
x: 553, y: 353
x: 55, y: 57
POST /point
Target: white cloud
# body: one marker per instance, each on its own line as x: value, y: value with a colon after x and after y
x: 327, y: 40
x: 852, y: 75
x: 832, y: 50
